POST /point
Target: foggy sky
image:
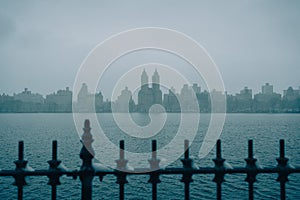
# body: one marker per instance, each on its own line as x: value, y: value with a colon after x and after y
x: 43, y: 43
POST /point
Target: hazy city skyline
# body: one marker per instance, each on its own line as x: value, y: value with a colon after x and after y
x: 252, y: 42
x: 130, y: 89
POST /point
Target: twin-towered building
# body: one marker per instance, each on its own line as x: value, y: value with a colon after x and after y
x: 147, y: 95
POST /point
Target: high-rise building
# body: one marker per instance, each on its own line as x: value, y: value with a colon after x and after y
x: 124, y: 103
x: 88, y: 102
x: 267, y: 89
x: 149, y: 96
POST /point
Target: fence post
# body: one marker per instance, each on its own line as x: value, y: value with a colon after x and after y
x: 53, y: 167
x: 219, y: 170
x: 121, y: 166
x: 186, y: 176
x: 20, y: 167
x: 251, y: 168
x: 86, y: 169
x: 154, y: 166
x: 283, y: 169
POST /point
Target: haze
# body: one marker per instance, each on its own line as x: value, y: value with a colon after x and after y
x: 253, y: 42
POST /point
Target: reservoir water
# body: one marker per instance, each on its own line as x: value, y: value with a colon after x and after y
x: 38, y: 130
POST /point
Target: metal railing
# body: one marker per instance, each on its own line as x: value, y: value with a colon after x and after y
x: 87, y: 172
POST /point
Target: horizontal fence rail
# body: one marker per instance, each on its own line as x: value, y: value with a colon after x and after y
x: 87, y: 171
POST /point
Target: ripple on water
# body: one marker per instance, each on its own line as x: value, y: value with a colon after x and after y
x: 37, y: 131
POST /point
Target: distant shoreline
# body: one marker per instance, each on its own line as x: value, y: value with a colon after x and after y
x: 147, y: 113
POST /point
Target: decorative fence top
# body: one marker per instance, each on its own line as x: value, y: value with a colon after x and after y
x: 89, y: 170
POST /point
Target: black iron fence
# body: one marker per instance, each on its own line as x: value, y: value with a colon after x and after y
x: 87, y: 172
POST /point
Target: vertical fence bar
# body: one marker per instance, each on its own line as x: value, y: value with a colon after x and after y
x: 250, y: 183
x: 154, y: 184
x: 122, y: 148
x: 218, y: 150
x: 53, y: 192
x: 219, y: 183
x: 21, y: 157
x: 186, y: 149
x: 121, y: 166
x: 219, y: 191
x: 21, y: 150
x: 154, y: 166
x: 20, y: 166
x: 53, y: 167
x: 20, y: 192
x: 283, y: 169
x: 154, y: 148
x: 122, y: 184
x: 251, y: 169
x: 220, y: 170
x: 54, y: 150
x: 86, y: 169
x: 121, y: 192
x: 54, y: 157
x: 282, y: 191
x: 187, y: 175
x: 186, y: 183
x: 282, y: 183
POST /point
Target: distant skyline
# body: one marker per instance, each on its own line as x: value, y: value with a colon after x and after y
x: 134, y: 92
x: 43, y: 43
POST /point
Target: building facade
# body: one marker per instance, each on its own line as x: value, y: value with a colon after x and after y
x: 147, y: 95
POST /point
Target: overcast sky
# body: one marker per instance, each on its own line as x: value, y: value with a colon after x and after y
x: 43, y: 43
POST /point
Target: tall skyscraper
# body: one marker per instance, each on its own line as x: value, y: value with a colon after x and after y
x: 149, y: 96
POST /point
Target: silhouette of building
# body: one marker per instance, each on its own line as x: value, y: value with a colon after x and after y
x: 267, y: 89
x: 291, y: 100
x: 217, y: 99
x: 244, y: 100
x: 267, y: 100
x: 204, y: 101
x: 88, y: 102
x: 61, y: 101
x: 124, y: 102
x: 28, y: 102
x: 149, y: 96
x: 170, y: 101
x: 27, y: 96
x: 8, y: 104
x: 291, y: 93
x: 196, y: 88
x: 188, y: 99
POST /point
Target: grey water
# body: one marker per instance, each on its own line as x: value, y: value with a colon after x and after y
x: 38, y: 130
